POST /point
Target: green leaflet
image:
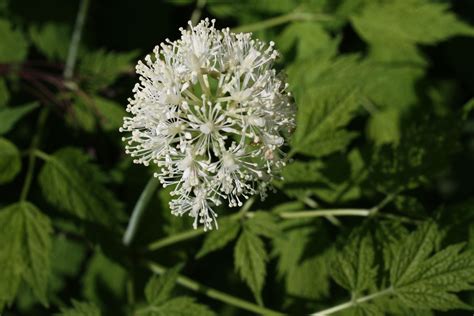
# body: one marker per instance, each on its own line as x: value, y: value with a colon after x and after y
x: 80, y: 309
x: 320, y: 122
x: 250, y: 260
x: 337, y: 180
x: 104, y: 283
x: 402, y: 24
x: 219, y: 238
x: 159, y: 288
x: 100, y: 68
x: 310, y: 39
x: 51, y: 39
x: 88, y: 112
x: 263, y: 224
x: 25, y: 256
x: 416, y: 21
x: 423, y: 279
x: 309, y: 279
x: 10, y: 162
x: 75, y: 185
x: 13, y: 46
x: 179, y: 306
x: 158, y: 295
x: 353, y: 268
x: 10, y: 115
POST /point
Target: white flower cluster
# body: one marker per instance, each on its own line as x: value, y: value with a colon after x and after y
x: 212, y: 114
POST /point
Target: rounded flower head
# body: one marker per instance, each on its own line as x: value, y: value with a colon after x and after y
x: 212, y: 114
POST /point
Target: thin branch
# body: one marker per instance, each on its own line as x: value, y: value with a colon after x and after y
x: 31, y: 157
x: 139, y: 210
x: 353, y: 302
x: 282, y: 19
x: 196, y: 15
x: 188, y: 234
x: 215, y: 294
x: 243, y: 213
x: 76, y: 39
x: 329, y: 212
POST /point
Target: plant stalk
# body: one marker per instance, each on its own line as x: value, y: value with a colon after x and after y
x: 76, y: 39
x: 353, y: 302
x: 282, y: 19
x: 321, y: 213
x: 31, y: 157
x: 139, y: 210
x: 215, y: 294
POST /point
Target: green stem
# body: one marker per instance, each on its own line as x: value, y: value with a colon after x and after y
x: 282, y: 19
x: 320, y: 213
x: 76, y: 39
x: 196, y: 15
x: 139, y: 210
x: 215, y: 294
x: 175, y: 239
x: 328, y: 213
x: 189, y: 234
x: 31, y: 157
x: 353, y: 302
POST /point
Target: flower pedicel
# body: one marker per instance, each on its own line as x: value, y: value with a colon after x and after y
x: 212, y: 114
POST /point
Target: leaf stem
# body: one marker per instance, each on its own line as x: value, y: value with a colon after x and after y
x: 353, y: 302
x: 329, y: 212
x: 282, y: 19
x: 139, y: 210
x: 196, y: 15
x: 76, y: 39
x: 188, y: 234
x: 215, y: 294
x: 31, y: 156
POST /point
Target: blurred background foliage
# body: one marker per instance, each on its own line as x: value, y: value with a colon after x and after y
x: 384, y: 93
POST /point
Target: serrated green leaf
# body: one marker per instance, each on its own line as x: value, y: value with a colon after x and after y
x: 416, y: 21
x: 13, y: 46
x: 10, y: 162
x: 104, y: 282
x: 110, y: 113
x: 309, y: 279
x: 159, y: 288
x: 25, y: 256
x: 74, y: 184
x: 310, y: 39
x: 394, y: 27
x: 180, y: 306
x: 66, y: 261
x: 384, y: 127
x: 338, y: 180
x: 219, y: 238
x: 263, y: 224
x: 422, y: 279
x: 250, y: 260
x: 100, y: 68
x: 87, y: 112
x: 320, y: 122
x: 80, y: 309
x: 51, y: 39
x: 353, y: 267
x: 10, y: 115
x: 290, y: 248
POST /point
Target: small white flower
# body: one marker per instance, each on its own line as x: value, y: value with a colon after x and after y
x: 212, y: 114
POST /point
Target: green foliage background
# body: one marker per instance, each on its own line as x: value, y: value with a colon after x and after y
x: 374, y: 214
